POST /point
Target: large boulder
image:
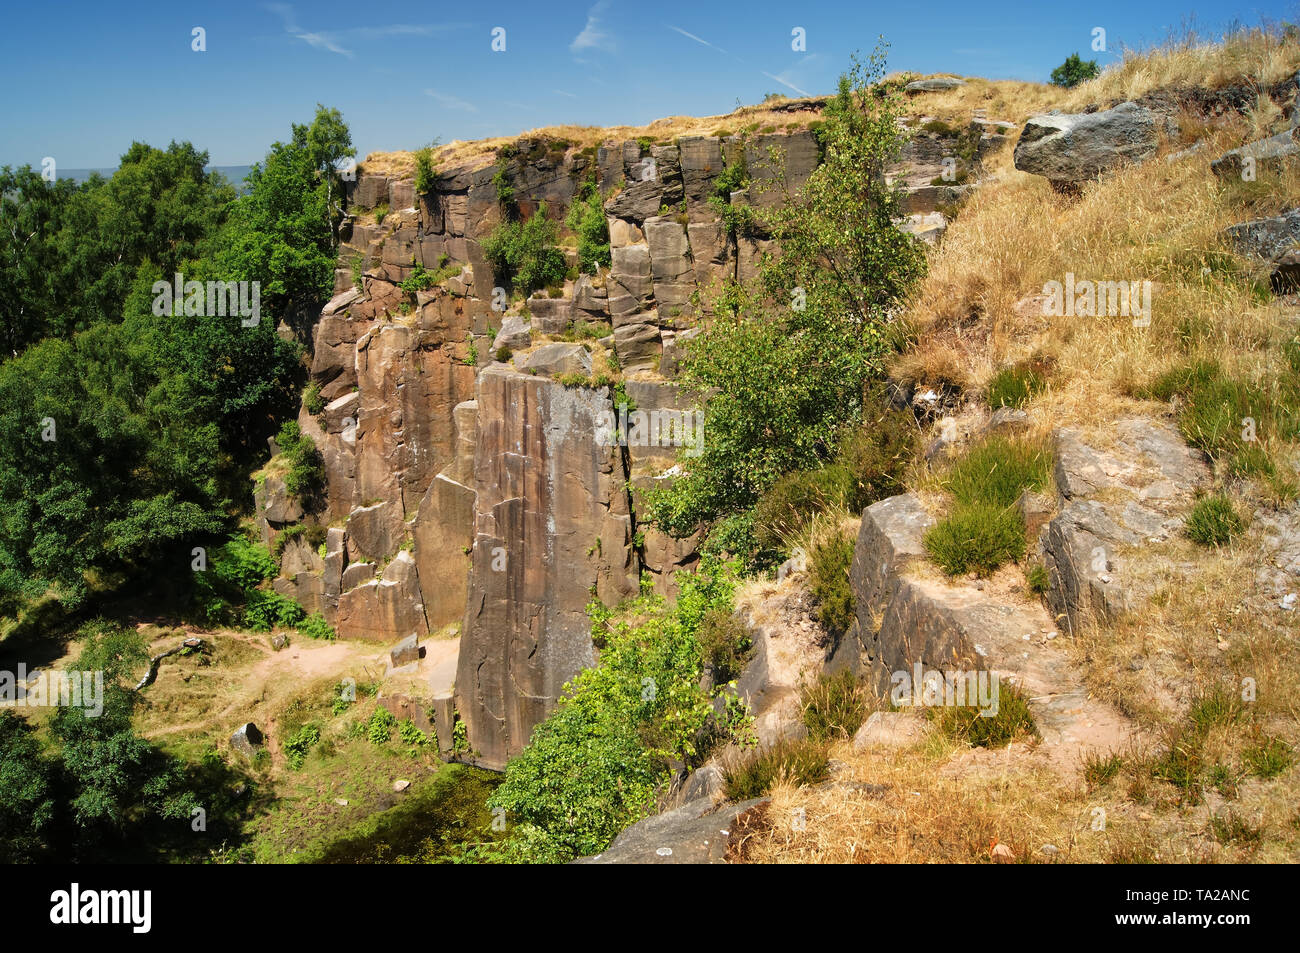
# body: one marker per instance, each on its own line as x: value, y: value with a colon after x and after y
x: 936, y: 84
x: 695, y: 833
x: 1070, y: 149
x: 557, y: 358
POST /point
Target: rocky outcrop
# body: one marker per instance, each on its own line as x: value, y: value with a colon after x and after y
x: 1276, y: 241
x: 1071, y: 149
x: 695, y: 833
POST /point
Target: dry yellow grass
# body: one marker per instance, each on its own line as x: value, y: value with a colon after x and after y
x: 1257, y: 56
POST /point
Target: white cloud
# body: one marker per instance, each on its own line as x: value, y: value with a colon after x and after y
x: 332, y: 42
x: 594, y: 36
x: 447, y: 101
x: 561, y: 92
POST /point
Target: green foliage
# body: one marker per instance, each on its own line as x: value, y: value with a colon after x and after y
x: 586, y: 219
x: 828, y: 581
x: 1038, y: 578
x: 380, y: 725
x: 1213, y: 521
x: 725, y: 645
x: 411, y: 735
x: 312, y: 400
x: 868, y: 466
x: 976, y: 537
x: 1268, y: 758
x: 302, y: 741
x: 802, y: 761
x: 505, y: 190
x: 785, y: 361
x: 834, y: 707
x: 424, y: 175
x: 1074, y: 71
x: 1099, y: 769
x: 1014, y: 386
x: 738, y: 536
x: 314, y: 626
x: 504, y: 354
x: 966, y: 723
x: 526, y: 253
x: 27, y: 802
x: 305, y: 477
x: 594, y: 765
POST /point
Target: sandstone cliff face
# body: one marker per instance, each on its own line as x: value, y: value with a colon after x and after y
x: 462, y: 491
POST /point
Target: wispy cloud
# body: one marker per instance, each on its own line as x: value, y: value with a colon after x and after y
x: 447, y: 101
x: 786, y: 83
x: 692, y: 36
x: 561, y: 92
x: 333, y: 41
x: 594, y: 35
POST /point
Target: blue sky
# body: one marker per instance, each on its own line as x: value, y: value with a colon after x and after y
x: 86, y: 78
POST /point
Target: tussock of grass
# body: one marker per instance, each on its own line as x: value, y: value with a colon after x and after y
x: 753, y: 774
x: 1213, y: 521
x: 834, y: 707
x: 966, y: 725
x: 978, y: 538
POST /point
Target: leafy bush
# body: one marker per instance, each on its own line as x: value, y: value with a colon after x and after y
x: 801, y: 761
x: 828, y: 580
x: 739, y: 536
x: 314, y: 626
x: 1038, y: 578
x: 595, y: 764
x: 411, y: 735
x: 264, y: 609
x: 586, y: 219
x: 1213, y: 521
x: 787, y: 370
x: 380, y: 725
x: 526, y: 253
x: 424, y: 175
x: 1074, y: 71
x: 725, y: 645
x: 312, y: 400
x: 965, y: 723
x: 304, y: 478
x: 835, y: 706
x: 976, y: 537
x: 302, y: 741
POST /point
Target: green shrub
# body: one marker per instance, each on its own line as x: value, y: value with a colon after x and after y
x: 738, y: 536
x: 1038, y: 578
x: 1075, y: 71
x: 380, y: 725
x: 834, y: 707
x: 1014, y: 386
x: 966, y: 724
x: 802, y: 761
x: 1100, y: 769
x: 381, y: 213
x: 526, y: 253
x: 424, y: 175
x: 725, y: 645
x: 586, y: 219
x: 314, y: 626
x: 786, y: 510
x: 595, y: 764
x: 304, y: 477
x: 297, y: 746
x: 828, y: 580
x: 504, y: 354
x: 312, y: 400
x: 1213, y: 521
x: 411, y: 735
x: 976, y: 537
x: 264, y: 609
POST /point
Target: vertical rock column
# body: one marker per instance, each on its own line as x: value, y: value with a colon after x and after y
x: 552, y: 527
